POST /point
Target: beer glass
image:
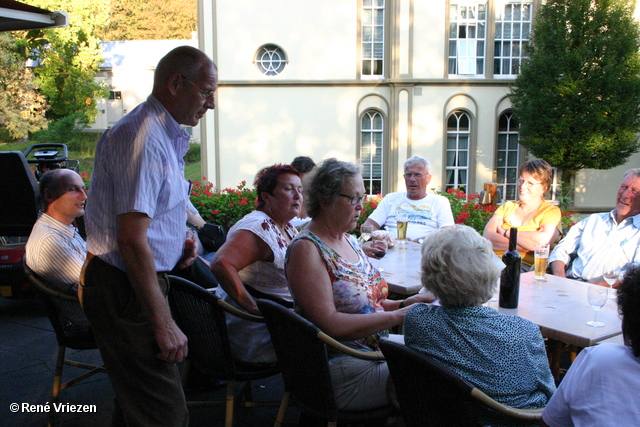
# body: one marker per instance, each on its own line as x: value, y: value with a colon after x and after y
x: 402, y: 223
x: 541, y: 254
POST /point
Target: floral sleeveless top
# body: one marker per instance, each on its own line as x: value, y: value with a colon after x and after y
x: 357, y: 288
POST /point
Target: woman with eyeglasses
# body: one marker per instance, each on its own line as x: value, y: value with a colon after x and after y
x: 335, y: 286
x: 537, y: 220
x: 250, y: 264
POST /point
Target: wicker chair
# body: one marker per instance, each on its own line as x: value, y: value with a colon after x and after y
x: 430, y: 394
x: 302, y: 356
x: 72, y: 331
x: 201, y: 316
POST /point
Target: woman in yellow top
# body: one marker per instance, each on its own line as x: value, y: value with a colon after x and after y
x: 537, y: 221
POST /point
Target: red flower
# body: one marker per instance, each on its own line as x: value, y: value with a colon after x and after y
x: 231, y: 205
x: 216, y: 212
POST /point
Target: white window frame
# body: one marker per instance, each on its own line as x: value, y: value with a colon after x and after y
x: 372, y: 155
x: 467, y: 29
x: 506, y: 171
x: 372, y: 39
x: 512, y: 31
x: 455, y: 146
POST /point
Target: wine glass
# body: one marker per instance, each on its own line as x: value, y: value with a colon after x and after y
x: 380, y: 250
x: 365, y: 232
x: 597, y: 296
x: 610, y: 274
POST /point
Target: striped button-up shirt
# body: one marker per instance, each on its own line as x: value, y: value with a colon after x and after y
x: 598, y: 240
x: 139, y: 167
x: 56, y: 252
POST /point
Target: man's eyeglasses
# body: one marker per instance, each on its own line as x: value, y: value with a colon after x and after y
x: 523, y: 183
x: 206, y: 94
x: 416, y: 175
x: 355, y: 199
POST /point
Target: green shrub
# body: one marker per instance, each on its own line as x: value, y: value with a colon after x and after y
x: 224, y: 207
x: 193, y: 154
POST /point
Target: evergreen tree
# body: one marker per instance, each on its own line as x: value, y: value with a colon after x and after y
x: 577, y: 97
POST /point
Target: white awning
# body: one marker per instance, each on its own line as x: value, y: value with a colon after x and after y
x: 19, y: 16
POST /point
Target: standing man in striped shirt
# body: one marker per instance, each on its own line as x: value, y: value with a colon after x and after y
x: 136, y: 233
x: 55, y: 251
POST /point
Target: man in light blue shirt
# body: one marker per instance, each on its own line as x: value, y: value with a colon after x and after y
x: 136, y: 233
x: 603, y: 238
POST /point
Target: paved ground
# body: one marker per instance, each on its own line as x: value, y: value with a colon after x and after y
x: 27, y: 360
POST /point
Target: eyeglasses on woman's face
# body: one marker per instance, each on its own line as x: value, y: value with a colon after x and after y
x: 527, y: 183
x: 355, y: 199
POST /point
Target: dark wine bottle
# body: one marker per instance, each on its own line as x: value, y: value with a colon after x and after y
x: 510, y: 277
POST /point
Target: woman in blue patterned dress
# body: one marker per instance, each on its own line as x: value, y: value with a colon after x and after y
x: 335, y: 286
x: 504, y: 356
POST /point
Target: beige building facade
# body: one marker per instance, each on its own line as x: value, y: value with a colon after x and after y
x: 373, y: 81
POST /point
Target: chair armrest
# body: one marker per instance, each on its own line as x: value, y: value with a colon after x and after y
x: 38, y: 284
x: 360, y: 354
x: 523, y: 414
x: 239, y: 313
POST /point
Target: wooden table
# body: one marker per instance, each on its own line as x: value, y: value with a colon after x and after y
x: 560, y: 308
x: 401, y: 267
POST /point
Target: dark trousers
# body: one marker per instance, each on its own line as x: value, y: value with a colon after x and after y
x: 148, y: 390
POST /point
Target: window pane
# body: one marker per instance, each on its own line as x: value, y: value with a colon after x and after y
x: 467, y: 23
x: 512, y: 25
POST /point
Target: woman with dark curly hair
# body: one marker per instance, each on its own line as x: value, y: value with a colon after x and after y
x: 250, y: 264
x: 603, y: 384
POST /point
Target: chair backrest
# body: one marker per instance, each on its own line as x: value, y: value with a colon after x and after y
x: 19, y: 194
x: 302, y: 358
x: 200, y: 317
x: 429, y: 393
x: 65, y: 313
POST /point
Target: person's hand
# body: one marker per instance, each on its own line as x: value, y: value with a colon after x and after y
x: 368, y: 249
x: 384, y: 235
x: 373, y: 246
x: 418, y: 298
x: 190, y: 251
x: 172, y: 342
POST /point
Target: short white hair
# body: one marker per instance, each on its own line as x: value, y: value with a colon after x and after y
x: 417, y: 160
x: 457, y: 266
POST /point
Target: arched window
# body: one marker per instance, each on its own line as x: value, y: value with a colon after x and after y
x: 508, y: 156
x: 457, y: 158
x: 372, y: 150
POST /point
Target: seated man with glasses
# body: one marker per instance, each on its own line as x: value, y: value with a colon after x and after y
x: 603, y: 238
x: 424, y: 212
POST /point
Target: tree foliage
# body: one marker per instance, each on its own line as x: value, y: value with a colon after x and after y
x: 69, y: 58
x: 150, y: 20
x: 22, y: 108
x: 577, y: 97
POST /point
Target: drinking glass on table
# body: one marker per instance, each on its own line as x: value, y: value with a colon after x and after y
x: 402, y: 221
x: 366, y: 231
x: 379, y: 251
x: 541, y: 254
x: 610, y: 274
x: 597, y: 296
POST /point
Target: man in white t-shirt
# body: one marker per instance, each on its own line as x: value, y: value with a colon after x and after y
x: 424, y: 212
